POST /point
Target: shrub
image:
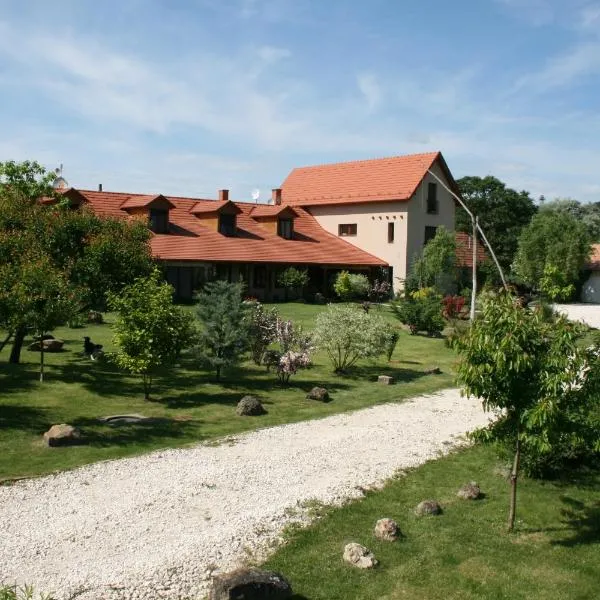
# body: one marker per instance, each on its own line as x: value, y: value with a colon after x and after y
x: 420, y: 311
x: 348, y: 333
x: 295, y: 349
x: 392, y: 341
x: 453, y: 307
x: 350, y: 286
x: 293, y: 279
x: 380, y: 291
x: 262, y: 330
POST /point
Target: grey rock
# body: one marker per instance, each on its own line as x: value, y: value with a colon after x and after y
x: 359, y: 556
x: 385, y: 379
x: 250, y: 406
x: 469, y: 491
x: 428, y: 507
x: 62, y: 435
x: 387, y: 529
x: 50, y: 345
x: 433, y: 371
x: 250, y: 584
x: 318, y: 393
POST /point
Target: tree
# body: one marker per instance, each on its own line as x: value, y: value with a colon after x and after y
x: 347, y: 334
x: 293, y: 279
x: 502, y: 212
x: 533, y: 373
x: 225, y: 325
x: 552, y: 251
x: 150, y: 331
x: 262, y: 330
x: 588, y: 214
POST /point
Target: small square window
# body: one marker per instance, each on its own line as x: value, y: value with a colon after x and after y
x: 391, y: 233
x: 347, y: 229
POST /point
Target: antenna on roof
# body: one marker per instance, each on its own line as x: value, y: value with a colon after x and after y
x: 255, y: 195
x: 59, y: 183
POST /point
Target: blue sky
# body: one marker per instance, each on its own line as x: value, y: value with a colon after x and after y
x: 188, y: 96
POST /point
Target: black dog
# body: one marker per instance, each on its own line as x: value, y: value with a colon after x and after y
x: 90, y: 349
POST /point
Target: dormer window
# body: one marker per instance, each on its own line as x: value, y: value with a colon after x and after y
x: 227, y: 224
x: 285, y: 228
x: 159, y: 220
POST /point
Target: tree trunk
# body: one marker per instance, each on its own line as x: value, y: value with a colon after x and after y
x: 15, y: 353
x: 218, y: 373
x: 147, y: 379
x: 6, y: 340
x: 513, y: 486
x: 41, y: 357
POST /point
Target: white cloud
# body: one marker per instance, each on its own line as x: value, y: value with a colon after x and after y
x: 370, y: 89
x: 272, y: 54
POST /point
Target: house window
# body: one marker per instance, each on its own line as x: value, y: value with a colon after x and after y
x: 347, y: 229
x: 429, y: 234
x: 159, y: 220
x: 285, y: 228
x: 260, y: 277
x: 432, y: 203
x: 391, y: 233
x: 227, y: 224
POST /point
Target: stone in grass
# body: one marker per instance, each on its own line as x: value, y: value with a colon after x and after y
x: 318, y: 393
x: 433, y: 371
x: 50, y: 345
x: 250, y: 406
x: 385, y: 379
x: 469, y: 491
x: 428, y: 507
x: 387, y: 529
x: 62, y: 435
x: 359, y: 556
x: 250, y: 584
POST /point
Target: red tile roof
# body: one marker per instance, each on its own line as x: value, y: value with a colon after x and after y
x: 141, y: 201
x: 464, y: 250
x: 380, y: 179
x: 271, y: 210
x: 194, y: 241
x: 211, y: 206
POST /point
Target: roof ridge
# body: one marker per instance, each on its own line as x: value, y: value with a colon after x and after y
x: 370, y: 160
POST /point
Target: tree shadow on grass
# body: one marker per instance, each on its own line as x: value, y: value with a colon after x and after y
x: 18, y: 378
x: 582, y: 522
x: 372, y: 372
x: 23, y: 418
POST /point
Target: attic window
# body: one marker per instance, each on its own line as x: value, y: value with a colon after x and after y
x: 159, y: 220
x: 285, y: 228
x: 346, y: 229
x: 432, y: 203
x: 227, y: 225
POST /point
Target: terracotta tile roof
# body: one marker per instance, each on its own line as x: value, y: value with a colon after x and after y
x: 141, y: 201
x: 464, y: 250
x: 374, y: 180
x: 195, y: 241
x: 211, y: 206
x: 271, y: 210
x: 593, y: 262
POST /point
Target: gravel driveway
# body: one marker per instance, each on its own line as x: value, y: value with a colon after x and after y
x: 158, y: 525
x: 586, y: 313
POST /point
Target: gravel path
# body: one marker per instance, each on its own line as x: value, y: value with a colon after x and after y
x: 586, y: 313
x: 156, y: 526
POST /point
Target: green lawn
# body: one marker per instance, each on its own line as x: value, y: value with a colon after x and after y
x: 191, y: 405
x: 463, y: 554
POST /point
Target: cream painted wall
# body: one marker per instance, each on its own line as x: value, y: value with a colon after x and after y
x: 410, y: 218
x: 371, y: 229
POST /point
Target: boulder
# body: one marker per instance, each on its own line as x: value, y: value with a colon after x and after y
x: 469, y: 491
x: 62, y: 435
x: 50, y: 345
x: 387, y: 529
x: 359, y: 556
x: 385, y: 379
x: 433, y: 371
x: 250, y: 406
x: 318, y: 393
x: 428, y: 507
x: 250, y: 584
x: 95, y: 316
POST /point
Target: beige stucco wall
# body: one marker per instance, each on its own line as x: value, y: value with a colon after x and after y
x: 372, y: 229
x: 410, y: 217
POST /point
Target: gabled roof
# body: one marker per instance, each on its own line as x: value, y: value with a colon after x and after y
x: 375, y: 180
x: 272, y: 210
x: 214, y: 206
x: 195, y: 241
x: 144, y: 201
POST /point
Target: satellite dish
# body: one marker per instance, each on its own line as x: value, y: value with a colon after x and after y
x: 255, y: 194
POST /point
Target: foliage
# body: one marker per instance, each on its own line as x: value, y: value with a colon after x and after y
x: 351, y: 286
x: 453, y: 307
x: 293, y: 278
x: 588, y: 214
x: 26, y: 592
x: 380, y: 290
x: 391, y: 343
x: 554, y: 284
x: 262, y: 330
x: 347, y: 334
x: 150, y: 331
x: 537, y: 377
x: 552, y: 244
x: 295, y: 349
x: 502, y: 213
x: 225, y: 325
x: 420, y: 311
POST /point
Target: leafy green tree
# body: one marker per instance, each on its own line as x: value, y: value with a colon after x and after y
x: 502, y: 212
x: 293, y: 279
x: 224, y: 336
x: 588, y: 214
x: 150, y: 331
x: 347, y: 333
x: 351, y: 286
x: 553, y: 244
x: 533, y: 372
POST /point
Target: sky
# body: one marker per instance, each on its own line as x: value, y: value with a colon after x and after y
x: 185, y: 97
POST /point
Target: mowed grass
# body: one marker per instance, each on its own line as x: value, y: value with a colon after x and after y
x: 191, y: 406
x: 463, y: 554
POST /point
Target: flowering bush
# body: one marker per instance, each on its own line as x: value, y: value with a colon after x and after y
x: 380, y: 291
x: 453, y: 307
x: 295, y: 350
x: 262, y: 330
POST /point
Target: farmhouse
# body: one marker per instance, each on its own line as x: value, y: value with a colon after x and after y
x: 370, y: 216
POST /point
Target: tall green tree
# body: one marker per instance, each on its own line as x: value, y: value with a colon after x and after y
x: 225, y: 325
x: 502, y: 212
x: 552, y: 251
x: 150, y: 331
x: 535, y: 374
x: 588, y: 214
